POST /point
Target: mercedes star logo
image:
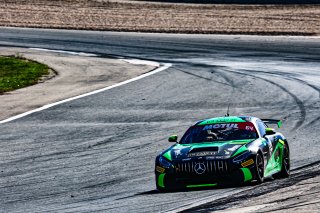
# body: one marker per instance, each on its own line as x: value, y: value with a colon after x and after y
x: 199, y: 168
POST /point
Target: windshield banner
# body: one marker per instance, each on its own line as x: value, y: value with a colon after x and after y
x: 243, y: 126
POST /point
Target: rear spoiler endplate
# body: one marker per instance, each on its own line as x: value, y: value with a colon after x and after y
x: 272, y: 121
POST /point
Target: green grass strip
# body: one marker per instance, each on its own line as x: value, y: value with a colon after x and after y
x: 17, y: 73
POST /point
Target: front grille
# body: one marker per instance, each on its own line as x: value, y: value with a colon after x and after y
x: 212, y: 167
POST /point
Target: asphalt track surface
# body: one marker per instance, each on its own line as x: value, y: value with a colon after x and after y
x: 97, y: 153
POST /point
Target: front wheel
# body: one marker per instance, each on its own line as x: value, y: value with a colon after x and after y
x: 259, y: 169
x: 165, y: 183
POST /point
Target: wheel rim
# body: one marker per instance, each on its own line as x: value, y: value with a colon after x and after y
x: 260, y: 166
x: 286, y: 159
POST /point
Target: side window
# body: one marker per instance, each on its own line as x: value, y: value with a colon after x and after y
x: 262, y: 128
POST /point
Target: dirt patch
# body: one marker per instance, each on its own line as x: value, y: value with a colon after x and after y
x: 73, y: 75
x: 162, y: 17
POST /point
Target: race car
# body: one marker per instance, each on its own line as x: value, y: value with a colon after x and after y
x: 231, y: 149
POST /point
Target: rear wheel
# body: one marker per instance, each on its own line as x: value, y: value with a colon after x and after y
x: 285, y: 168
x: 259, y: 168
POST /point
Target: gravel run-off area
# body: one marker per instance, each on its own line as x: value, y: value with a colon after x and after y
x: 118, y: 15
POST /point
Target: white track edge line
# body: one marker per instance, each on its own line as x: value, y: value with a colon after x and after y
x: 141, y: 62
x: 65, y: 52
x: 161, y: 68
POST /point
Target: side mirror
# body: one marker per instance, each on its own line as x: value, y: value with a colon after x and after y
x: 173, y: 138
x: 270, y: 131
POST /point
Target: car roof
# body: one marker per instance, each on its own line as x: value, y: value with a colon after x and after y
x: 226, y: 119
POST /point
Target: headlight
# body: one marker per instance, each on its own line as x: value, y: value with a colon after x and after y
x: 163, y: 162
x: 242, y: 157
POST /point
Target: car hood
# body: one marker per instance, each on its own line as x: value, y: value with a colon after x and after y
x: 214, y: 150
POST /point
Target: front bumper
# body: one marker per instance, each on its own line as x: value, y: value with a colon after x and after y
x: 183, y: 174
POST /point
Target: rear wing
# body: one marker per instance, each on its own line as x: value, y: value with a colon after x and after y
x: 272, y: 121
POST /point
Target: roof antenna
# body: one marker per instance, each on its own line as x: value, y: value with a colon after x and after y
x: 227, y: 115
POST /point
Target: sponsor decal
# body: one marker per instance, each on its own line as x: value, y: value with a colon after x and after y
x: 160, y: 169
x: 216, y: 157
x: 221, y: 126
x: 251, y: 128
x: 247, y: 163
x: 198, y: 154
x: 186, y: 159
x: 248, y: 126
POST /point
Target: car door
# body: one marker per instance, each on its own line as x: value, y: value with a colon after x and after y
x: 267, y: 146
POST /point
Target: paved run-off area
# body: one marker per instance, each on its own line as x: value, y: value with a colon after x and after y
x: 71, y: 74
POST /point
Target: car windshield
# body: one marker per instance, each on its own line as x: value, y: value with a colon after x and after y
x: 219, y: 132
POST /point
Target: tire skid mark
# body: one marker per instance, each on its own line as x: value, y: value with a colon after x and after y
x: 134, y: 148
x: 299, y: 204
x: 304, y: 83
x: 302, y: 173
x: 221, y: 74
x: 297, y: 196
x: 234, y: 86
x: 199, y: 76
x: 43, y: 197
x: 313, y: 122
x: 105, y: 183
x: 299, y: 103
x: 289, y: 77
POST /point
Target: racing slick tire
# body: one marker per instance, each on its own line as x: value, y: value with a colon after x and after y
x: 285, y: 168
x: 259, y: 168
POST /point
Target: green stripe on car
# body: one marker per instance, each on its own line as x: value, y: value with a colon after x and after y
x: 161, y: 180
x: 240, y: 150
x: 246, y: 174
x: 168, y: 155
x: 202, y: 185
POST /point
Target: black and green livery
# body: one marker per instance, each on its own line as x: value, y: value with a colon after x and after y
x: 223, y: 150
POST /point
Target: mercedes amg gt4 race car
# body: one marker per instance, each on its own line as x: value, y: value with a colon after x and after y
x: 223, y: 150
